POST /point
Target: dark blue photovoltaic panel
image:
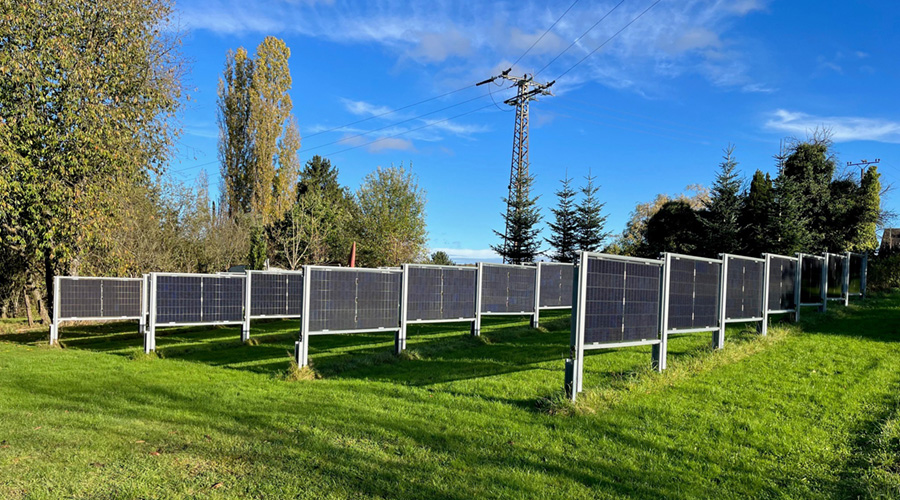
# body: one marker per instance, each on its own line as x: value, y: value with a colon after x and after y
x: 438, y: 293
x: 348, y: 299
x: 810, y: 280
x: 693, y: 294
x: 556, y: 284
x: 743, y: 298
x: 856, y: 268
x: 782, y: 277
x: 276, y: 294
x: 121, y: 298
x: 178, y: 299
x: 507, y: 289
x: 835, y: 276
x: 223, y: 299
x: 622, y: 301
x: 99, y: 298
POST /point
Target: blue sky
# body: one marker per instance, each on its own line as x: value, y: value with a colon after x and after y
x: 648, y: 113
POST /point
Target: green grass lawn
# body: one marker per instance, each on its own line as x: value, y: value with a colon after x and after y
x: 812, y: 411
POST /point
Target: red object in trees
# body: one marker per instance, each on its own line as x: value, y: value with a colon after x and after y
x: 353, y: 255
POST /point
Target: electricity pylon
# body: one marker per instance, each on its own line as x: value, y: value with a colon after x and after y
x: 527, y: 90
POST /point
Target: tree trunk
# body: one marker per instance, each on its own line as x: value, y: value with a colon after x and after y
x: 28, y: 307
x: 49, y: 273
x: 42, y: 310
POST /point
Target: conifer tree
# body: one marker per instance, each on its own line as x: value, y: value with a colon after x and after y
x: 519, y: 243
x: 754, y: 219
x: 722, y: 210
x: 590, y: 221
x: 564, y: 231
x: 868, y: 210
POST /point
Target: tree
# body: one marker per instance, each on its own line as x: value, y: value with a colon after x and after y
x: 723, y: 209
x: 588, y: 219
x: 754, y: 223
x: 319, y: 176
x: 564, y: 231
x: 676, y: 227
x: 258, y: 138
x: 87, y: 102
x: 633, y: 240
x: 235, y: 134
x: 787, y: 229
x: 808, y: 169
x: 390, y: 222
x: 868, y: 211
x: 259, y: 249
x: 440, y: 258
x: 519, y: 243
x: 303, y: 234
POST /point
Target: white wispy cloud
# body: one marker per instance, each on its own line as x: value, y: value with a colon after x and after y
x: 843, y: 128
x: 672, y: 39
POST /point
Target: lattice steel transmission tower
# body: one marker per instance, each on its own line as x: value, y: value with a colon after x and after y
x: 527, y: 90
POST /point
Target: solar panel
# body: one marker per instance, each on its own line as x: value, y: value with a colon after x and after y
x: 440, y: 293
x: 743, y: 285
x: 199, y: 298
x: 810, y: 280
x: 693, y: 294
x: 556, y: 284
x: 276, y: 294
x: 621, y: 302
x: 782, y: 277
x: 507, y: 289
x: 350, y: 299
x: 835, y: 276
x: 856, y: 272
x: 178, y: 299
x: 223, y: 299
x: 98, y: 298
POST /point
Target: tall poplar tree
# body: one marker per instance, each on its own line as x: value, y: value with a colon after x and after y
x: 564, y: 229
x: 235, y: 134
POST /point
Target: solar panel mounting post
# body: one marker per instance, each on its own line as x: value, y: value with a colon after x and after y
x: 54, y: 325
x: 150, y: 334
x: 245, y: 326
x: 823, y: 285
x: 764, y: 324
x: 400, y: 338
x: 142, y: 322
x: 301, y: 347
x: 798, y: 285
x: 718, y: 340
x: 845, y: 280
x: 476, y: 325
x: 575, y: 365
x: 535, y: 320
x: 660, y: 351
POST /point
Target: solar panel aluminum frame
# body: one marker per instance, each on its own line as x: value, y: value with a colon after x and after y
x: 57, y: 303
x: 400, y: 343
x: 719, y: 340
x: 845, y: 274
x: 479, y: 298
x: 574, y: 370
x: 823, y: 280
x: 667, y: 257
x: 248, y: 310
x: 301, y: 346
x: 537, y: 291
x: 153, y: 323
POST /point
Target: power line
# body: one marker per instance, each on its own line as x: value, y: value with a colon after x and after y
x: 580, y: 37
x: 609, y: 39
x: 545, y: 33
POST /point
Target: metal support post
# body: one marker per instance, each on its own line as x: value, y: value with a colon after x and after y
x: 150, y: 335
x: 535, y: 320
x: 660, y: 351
x: 845, y: 280
x: 400, y: 338
x: 476, y: 325
x: 245, y: 326
x: 798, y: 284
x: 764, y: 324
x: 54, y: 325
x: 718, y: 340
x: 823, y: 285
x: 301, y: 347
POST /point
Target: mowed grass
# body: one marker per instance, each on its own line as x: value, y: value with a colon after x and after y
x: 812, y: 411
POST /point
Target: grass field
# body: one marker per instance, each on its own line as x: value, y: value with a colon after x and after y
x: 812, y: 411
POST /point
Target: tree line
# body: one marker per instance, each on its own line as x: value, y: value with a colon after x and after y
x: 89, y: 102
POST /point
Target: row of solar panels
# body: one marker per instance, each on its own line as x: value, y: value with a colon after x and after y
x: 337, y: 299
x: 624, y: 301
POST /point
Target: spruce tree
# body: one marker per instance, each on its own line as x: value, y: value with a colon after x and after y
x: 564, y: 230
x: 519, y: 242
x: 589, y: 218
x: 722, y: 210
x: 754, y: 219
x: 787, y: 224
x: 809, y: 167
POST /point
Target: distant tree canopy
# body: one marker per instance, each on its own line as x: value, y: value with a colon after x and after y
x: 807, y: 208
x: 390, y: 218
